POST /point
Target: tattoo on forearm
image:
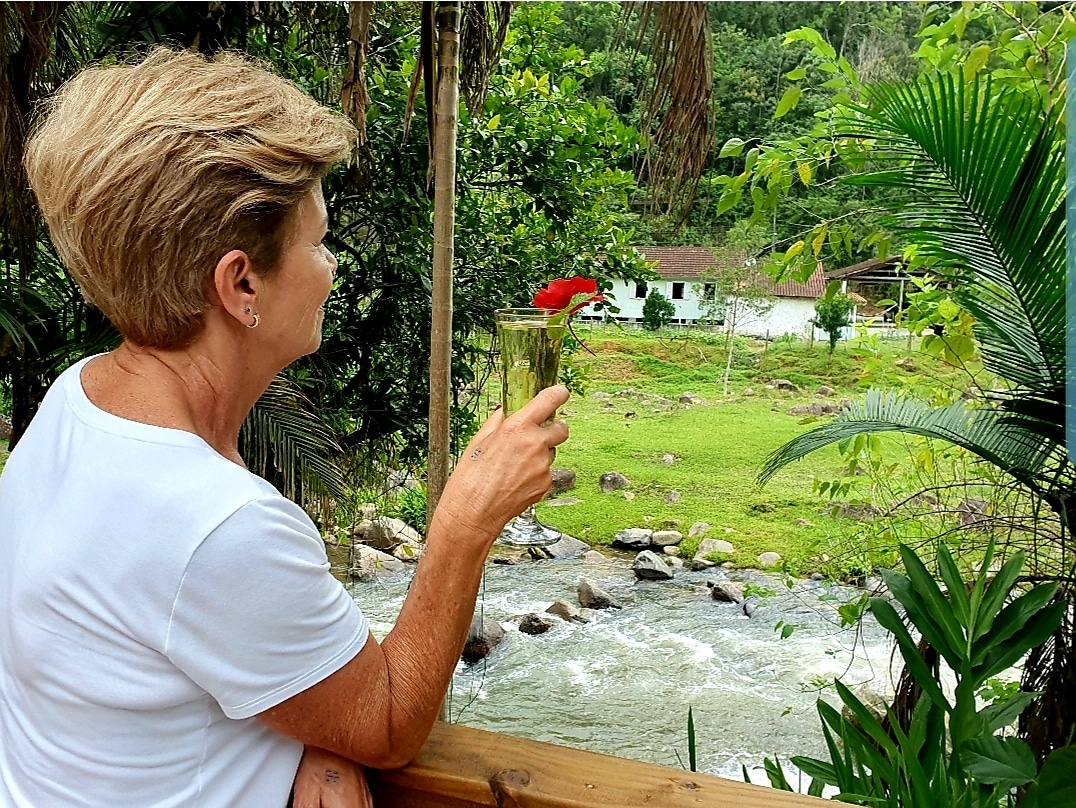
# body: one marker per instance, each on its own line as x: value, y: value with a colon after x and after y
x: 332, y: 776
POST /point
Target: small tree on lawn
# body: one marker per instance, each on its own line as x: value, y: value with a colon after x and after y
x: 658, y: 311
x: 833, y: 313
x: 734, y: 292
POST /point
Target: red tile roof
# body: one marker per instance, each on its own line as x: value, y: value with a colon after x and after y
x: 693, y: 263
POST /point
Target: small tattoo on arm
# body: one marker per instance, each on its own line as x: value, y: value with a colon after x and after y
x: 476, y: 453
x: 332, y: 776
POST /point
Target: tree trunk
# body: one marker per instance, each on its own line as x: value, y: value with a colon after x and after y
x: 444, y: 219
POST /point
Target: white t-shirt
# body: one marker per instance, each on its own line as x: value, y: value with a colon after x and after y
x: 154, y: 596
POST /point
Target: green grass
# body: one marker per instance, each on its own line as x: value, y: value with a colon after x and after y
x: 718, y: 448
x: 720, y: 445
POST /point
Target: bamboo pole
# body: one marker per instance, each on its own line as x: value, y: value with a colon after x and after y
x: 444, y: 222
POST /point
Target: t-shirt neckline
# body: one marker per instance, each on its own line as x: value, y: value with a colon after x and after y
x: 91, y: 414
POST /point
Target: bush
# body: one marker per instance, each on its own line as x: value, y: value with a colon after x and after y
x: 658, y: 311
x: 831, y: 314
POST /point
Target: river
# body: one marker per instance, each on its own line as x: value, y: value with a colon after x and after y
x: 622, y: 683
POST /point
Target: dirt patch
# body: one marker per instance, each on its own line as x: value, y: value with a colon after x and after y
x: 615, y: 369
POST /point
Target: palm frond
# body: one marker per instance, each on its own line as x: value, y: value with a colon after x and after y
x: 996, y: 436
x: 482, y: 33
x: 975, y: 177
x: 679, y: 97
x: 284, y: 440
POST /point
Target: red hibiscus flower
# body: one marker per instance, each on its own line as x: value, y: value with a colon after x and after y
x: 572, y: 294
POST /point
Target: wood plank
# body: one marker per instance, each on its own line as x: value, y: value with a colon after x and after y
x: 460, y: 766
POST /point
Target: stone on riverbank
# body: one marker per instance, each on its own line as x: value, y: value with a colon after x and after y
x: 698, y: 529
x: 482, y: 638
x: 613, y: 481
x: 592, y: 596
x: 666, y: 538
x: 726, y: 591
x: 771, y: 559
x: 594, y: 557
x: 563, y: 480
x: 386, y: 533
x: 633, y: 538
x: 649, y: 566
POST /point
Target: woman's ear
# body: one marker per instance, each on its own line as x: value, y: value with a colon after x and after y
x: 236, y: 286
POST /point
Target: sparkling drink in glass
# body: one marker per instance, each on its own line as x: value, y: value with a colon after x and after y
x: 530, y: 362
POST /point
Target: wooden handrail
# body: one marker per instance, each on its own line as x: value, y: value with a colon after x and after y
x: 461, y: 767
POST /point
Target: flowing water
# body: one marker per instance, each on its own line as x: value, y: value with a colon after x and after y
x: 622, y: 683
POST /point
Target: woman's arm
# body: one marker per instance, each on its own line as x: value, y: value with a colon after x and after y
x: 379, y: 708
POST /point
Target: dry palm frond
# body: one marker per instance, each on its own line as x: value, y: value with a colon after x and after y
x: 482, y: 34
x: 353, y: 96
x: 1050, y: 721
x: 425, y: 61
x: 679, y: 99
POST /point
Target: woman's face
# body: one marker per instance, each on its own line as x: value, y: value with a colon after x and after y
x: 291, y: 306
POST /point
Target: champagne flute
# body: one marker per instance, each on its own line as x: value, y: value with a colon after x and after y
x: 530, y: 361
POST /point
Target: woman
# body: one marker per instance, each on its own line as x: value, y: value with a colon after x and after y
x: 169, y: 630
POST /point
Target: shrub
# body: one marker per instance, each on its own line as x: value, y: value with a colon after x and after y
x: 831, y: 314
x: 658, y: 311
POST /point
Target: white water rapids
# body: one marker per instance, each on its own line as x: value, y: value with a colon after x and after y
x: 622, y: 683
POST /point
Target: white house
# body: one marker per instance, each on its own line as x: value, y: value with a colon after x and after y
x: 683, y: 272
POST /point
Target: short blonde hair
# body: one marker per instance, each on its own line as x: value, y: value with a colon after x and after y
x: 148, y: 173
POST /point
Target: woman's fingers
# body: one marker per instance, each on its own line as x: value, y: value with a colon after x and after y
x: 544, y: 405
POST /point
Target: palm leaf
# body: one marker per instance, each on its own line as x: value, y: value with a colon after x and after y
x: 994, y: 435
x: 284, y: 439
x: 975, y: 177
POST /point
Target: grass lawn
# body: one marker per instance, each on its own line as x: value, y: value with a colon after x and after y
x: 719, y: 445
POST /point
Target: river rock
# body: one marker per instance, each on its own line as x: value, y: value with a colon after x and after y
x: 566, y: 547
x: 563, y: 480
x: 689, y: 398
x: 633, y: 538
x: 613, y: 481
x: 368, y: 564
x: 698, y: 564
x: 666, y: 538
x: 824, y: 391
x: 672, y: 497
x: 770, y: 559
x: 358, y: 530
x: 566, y: 611
x: 536, y: 623
x: 697, y: 529
x: 594, y: 557
x: 650, y: 566
x: 386, y: 533
x: 671, y: 550
x: 592, y: 596
x: 674, y: 561
x: 367, y: 510
x: 785, y: 384
x: 409, y: 551
x: 707, y: 546
x: 726, y: 591
x: 483, y: 636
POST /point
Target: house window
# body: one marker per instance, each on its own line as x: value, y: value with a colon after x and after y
x: 678, y: 291
x: 640, y: 290
x: 709, y: 291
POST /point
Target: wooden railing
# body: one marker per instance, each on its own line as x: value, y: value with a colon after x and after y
x: 460, y: 767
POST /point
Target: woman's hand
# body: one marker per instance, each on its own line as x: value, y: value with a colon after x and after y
x: 325, y: 780
x: 505, y: 467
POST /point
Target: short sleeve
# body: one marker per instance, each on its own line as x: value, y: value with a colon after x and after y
x: 258, y: 617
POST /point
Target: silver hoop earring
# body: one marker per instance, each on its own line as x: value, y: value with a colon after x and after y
x: 257, y: 319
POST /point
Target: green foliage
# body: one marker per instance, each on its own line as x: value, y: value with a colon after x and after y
x: 832, y: 314
x: 658, y: 311
x: 409, y: 504
x: 947, y: 752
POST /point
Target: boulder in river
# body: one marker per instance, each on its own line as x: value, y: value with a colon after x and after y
x: 650, y: 566
x: 536, y: 623
x: 566, y: 547
x: 594, y: 557
x: 633, y: 538
x: 566, y: 611
x: 368, y: 564
x: 726, y: 591
x: 592, y: 596
x: 483, y: 636
x: 613, y: 481
x: 386, y: 533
